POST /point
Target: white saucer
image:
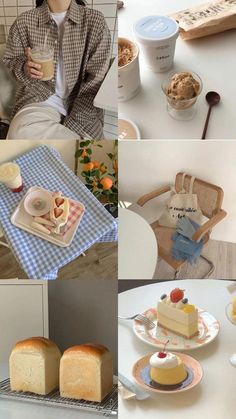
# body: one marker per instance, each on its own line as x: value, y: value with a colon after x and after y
x: 30, y: 199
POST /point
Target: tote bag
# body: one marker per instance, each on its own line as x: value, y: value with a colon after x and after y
x: 181, y: 204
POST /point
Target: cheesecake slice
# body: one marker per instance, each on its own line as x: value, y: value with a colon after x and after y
x: 176, y: 314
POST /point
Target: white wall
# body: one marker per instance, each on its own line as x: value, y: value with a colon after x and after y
x: 147, y: 165
x: 11, y: 149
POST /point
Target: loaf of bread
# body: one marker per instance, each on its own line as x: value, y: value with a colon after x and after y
x: 34, y: 366
x: 86, y: 372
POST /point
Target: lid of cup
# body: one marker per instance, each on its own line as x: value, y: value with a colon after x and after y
x: 156, y: 28
x: 9, y: 171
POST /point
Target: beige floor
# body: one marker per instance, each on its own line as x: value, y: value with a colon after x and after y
x: 222, y: 254
x: 100, y: 263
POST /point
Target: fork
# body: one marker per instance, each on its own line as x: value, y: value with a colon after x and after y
x: 140, y: 318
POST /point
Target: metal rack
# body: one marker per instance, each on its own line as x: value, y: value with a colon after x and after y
x: 108, y: 407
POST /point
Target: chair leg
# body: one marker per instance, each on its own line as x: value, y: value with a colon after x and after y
x: 4, y: 244
x: 210, y: 263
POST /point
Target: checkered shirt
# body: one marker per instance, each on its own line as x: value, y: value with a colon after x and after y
x: 86, y: 55
x: 39, y: 258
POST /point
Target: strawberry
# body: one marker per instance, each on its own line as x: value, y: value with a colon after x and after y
x: 59, y: 201
x: 57, y: 212
x: 176, y: 295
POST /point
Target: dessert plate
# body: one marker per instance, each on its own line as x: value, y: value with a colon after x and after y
x: 22, y: 219
x: 208, y: 330
x: 141, y: 374
x: 228, y: 310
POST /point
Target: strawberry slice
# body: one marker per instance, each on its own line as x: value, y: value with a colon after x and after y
x: 59, y: 201
x: 58, y: 212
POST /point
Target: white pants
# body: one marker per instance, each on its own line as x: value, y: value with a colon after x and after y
x: 39, y: 122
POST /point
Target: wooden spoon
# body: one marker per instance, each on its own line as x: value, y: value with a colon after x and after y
x: 212, y: 99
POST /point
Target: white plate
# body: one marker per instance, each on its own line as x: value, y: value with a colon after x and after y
x: 141, y: 374
x: 21, y: 219
x: 208, y: 330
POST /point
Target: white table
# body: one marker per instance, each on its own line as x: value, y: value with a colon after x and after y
x: 19, y: 410
x: 106, y: 97
x: 137, y: 247
x: 214, y: 397
x: 213, y: 58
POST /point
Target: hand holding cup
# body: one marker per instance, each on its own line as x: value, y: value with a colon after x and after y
x: 31, y: 68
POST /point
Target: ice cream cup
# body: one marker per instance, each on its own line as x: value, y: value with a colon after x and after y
x: 182, y: 109
x: 45, y: 57
x: 127, y: 130
x: 128, y: 75
x: 11, y: 177
x: 157, y: 36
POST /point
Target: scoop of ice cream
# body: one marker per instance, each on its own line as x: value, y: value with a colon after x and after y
x: 183, y: 86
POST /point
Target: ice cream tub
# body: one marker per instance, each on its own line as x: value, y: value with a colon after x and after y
x: 10, y: 176
x: 128, y: 70
x: 157, y: 36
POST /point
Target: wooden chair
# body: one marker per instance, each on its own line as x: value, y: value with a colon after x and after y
x: 210, y: 199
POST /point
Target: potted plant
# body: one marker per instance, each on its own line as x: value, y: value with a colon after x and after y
x: 101, y: 181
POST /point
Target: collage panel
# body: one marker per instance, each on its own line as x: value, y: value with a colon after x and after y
x: 178, y: 212
x: 58, y: 352
x: 58, y: 209
x: 177, y: 359
x: 58, y: 69
x: 171, y: 72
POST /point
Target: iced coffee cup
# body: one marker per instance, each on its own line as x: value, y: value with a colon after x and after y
x: 157, y: 36
x: 128, y: 69
x: 44, y: 57
x: 11, y: 177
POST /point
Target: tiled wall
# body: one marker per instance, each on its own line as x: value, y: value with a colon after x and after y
x: 10, y: 9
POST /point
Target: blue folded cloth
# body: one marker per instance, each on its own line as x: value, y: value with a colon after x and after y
x: 184, y: 248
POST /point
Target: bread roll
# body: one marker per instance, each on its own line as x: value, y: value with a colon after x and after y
x: 86, y: 372
x: 34, y: 366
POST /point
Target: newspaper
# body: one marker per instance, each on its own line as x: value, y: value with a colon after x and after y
x: 206, y: 19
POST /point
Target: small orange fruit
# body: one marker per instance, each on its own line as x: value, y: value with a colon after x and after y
x: 88, y: 166
x: 84, y: 153
x: 103, y: 169
x: 106, y: 182
x: 96, y: 164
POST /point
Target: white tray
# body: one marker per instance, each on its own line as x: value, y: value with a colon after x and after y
x: 21, y: 219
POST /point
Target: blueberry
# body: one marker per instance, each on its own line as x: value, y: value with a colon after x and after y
x: 184, y: 301
x: 163, y: 296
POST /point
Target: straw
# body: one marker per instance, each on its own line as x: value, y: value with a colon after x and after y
x: 45, y: 39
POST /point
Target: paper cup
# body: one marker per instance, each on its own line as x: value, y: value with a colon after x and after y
x: 129, y: 75
x: 11, y: 177
x: 127, y: 130
x: 157, y: 36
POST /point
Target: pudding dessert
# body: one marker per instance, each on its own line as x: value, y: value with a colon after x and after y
x: 167, y: 368
x: 233, y: 314
x: 182, y: 90
x: 176, y: 314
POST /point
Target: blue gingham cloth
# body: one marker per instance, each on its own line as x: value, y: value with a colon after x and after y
x: 39, y: 258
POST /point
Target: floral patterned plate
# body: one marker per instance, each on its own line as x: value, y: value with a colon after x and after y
x: 141, y: 374
x: 208, y: 328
